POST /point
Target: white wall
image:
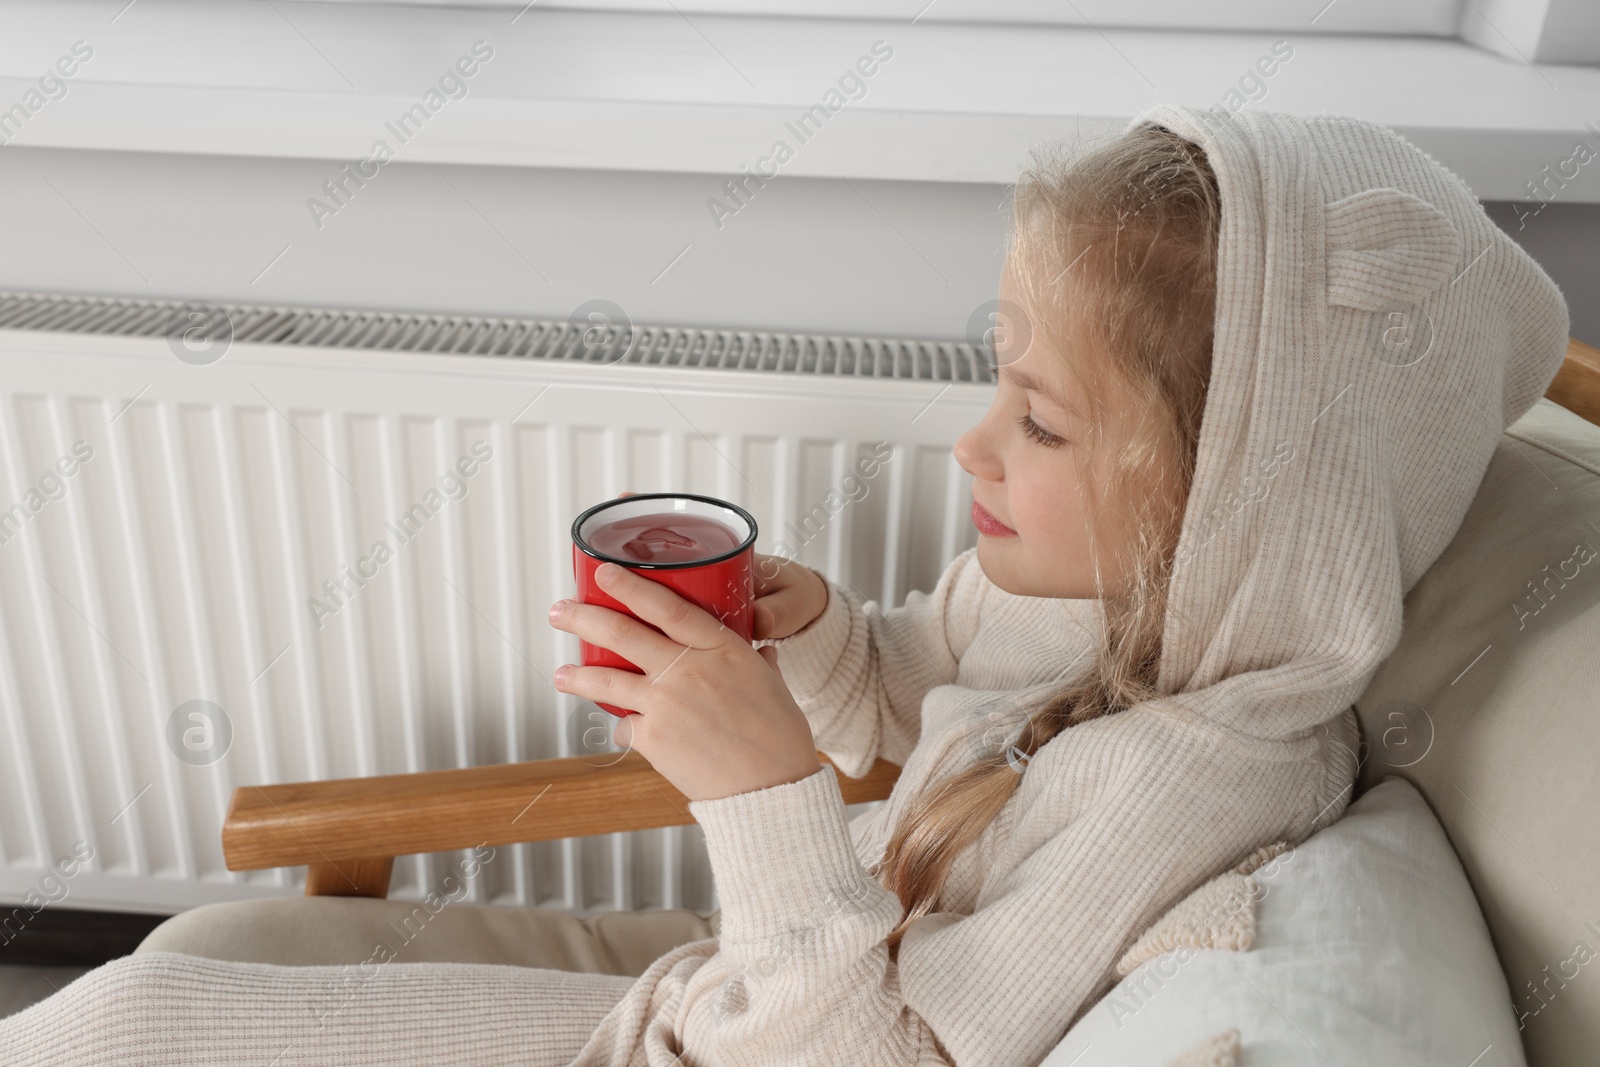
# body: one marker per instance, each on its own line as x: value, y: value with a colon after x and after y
x: 1565, y: 239
x: 904, y: 258
x: 889, y: 257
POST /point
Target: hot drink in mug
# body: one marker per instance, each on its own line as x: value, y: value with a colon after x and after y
x: 699, y: 546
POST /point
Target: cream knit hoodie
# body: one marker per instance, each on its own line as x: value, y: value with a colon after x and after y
x: 1375, y: 332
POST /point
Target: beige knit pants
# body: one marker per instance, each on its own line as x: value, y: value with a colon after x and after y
x: 312, y: 931
x: 375, y: 983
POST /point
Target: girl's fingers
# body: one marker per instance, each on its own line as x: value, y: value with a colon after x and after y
x: 681, y: 620
x: 781, y: 610
x: 625, y: 689
x: 771, y: 573
x: 623, y: 733
x: 622, y: 634
x: 770, y: 654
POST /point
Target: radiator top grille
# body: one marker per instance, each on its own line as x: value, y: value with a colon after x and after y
x: 605, y: 339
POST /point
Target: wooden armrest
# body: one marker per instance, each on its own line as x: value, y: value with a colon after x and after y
x: 1576, y: 386
x: 348, y: 830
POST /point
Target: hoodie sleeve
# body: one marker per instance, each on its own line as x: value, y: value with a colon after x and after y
x: 860, y: 673
x: 805, y: 974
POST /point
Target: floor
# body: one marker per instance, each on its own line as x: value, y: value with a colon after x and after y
x: 21, y: 986
x: 57, y: 946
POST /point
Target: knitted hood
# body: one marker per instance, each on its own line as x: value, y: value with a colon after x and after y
x: 1375, y: 332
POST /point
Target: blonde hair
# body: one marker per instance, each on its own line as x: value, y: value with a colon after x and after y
x: 1115, y: 247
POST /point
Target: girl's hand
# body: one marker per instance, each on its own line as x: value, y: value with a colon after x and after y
x: 789, y: 596
x: 713, y: 714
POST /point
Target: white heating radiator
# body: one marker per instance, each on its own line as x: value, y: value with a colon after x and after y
x: 167, y: 526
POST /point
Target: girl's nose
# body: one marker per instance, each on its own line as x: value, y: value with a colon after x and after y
x: 973, y: 452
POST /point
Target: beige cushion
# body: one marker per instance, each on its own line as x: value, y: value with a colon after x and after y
x: 309, y: 931
x: 1492, y: 710
x: 1368, y: 950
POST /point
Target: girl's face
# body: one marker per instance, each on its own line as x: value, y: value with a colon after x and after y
x: 1033, y: 474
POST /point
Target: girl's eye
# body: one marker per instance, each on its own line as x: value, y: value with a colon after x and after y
x: 1039, y: 433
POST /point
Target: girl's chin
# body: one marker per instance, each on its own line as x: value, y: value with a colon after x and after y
x: 1008, y: 573
x: 1001, y: 575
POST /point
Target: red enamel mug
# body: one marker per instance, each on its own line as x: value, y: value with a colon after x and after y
x: 698, y: 546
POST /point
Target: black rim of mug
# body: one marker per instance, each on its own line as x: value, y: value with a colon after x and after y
x: 584, y: 547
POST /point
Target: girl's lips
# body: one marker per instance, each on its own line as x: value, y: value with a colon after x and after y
x: 988, y: 524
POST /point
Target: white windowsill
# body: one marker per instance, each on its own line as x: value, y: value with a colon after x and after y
x: 661, y: 92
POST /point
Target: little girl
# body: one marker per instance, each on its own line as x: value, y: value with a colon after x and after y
x: 1251, y: 371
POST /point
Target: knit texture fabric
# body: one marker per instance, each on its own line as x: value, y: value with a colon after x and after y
x: 1220, y: 914
x: 1220, y: 1050
x: 1374, y: 333
x: 160, y: 1008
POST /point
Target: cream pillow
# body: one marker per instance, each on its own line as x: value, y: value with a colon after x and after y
x: 1488, y: 706
x: 1369, y: 948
